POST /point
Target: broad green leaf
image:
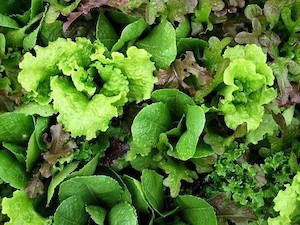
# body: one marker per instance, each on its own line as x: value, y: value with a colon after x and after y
x: 150, y: 122
x: 20, y: 210
x: 187, y: 143
x: 105, y: 32
x: 191, y: 44
x: 88, y: 169
x: 196, y: 211
x: 92, y: 189
x: 203, y: 150
x: 152, y: 185
x: 18, y: 151
x: 30, y: 40
x: 12, y: 171
x: 161, y: 44
x: 33, y: 153
x: 6, y: 21
x: 124, y: 214
x: 138, y: 197
x: 97, y: 214
x: 36, y: 8
x: 176, y: 101
x: 33, y: 108
x: 183, y: 29
x: 60, y: 177
x: 35, y: 145
x: 15, y: 127
x: 40, y: 128
x: 130, y: 33
x: 71, y: 211
x: 50, y: 32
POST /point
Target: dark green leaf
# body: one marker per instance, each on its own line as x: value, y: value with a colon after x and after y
x: 183, y: 30
x: 150, y: 122
x: 2, y: 46
x: 97, y: 214
x: 35, y: 144
x: 88, y: 169
x: 152, y: 185
x: 176, y: 101
x: 15, y: 127
x: 12, y: 171
x: 18, y: 151
x: 92, y: 189
x: 191, y: 44
x: 161, y: 44
x: 51, y: 31
x: 71, y: 211
x: 196, y: 211
x: 195, y: 121
x: 124, y: 214
x: 6, y: 21
x: 105, y: 32
x: 130, y: 33
x: 137, y: 194
x: 60, y: 177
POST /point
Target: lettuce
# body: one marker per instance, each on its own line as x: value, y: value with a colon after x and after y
x: 287, y: 204
x: 247, y: 80
x: 20, y: 210
x: 80, y: 115
x: 86, y: 88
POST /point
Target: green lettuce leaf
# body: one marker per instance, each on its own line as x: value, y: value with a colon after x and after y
x: 247, y: 79
x: 138, y: 69
x: 80, y: 115
x: 49, y: 62
x: 20, y: 210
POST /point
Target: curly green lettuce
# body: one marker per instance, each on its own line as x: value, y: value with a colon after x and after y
x: 20, y: 210
x: 86, y: 87
x: 247, y: 80
x: 287, y: 204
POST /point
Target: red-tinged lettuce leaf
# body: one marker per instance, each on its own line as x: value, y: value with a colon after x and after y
x: 61, y: 144
x: 35, y: 186
x: 116, y: 150
x: 289, y: 93
x: 185, y: 74
x: 87, y: 5
x: 231, y: 211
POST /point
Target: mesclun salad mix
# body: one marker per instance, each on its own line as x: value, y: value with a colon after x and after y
x: 150, y: 112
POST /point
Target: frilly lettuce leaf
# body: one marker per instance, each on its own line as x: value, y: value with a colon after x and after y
x: 63, y: 54
x: 138, y: 69
x: 115, y: 82
x: 84, y: 103
x: 80, y: 115
x: 247, y: 79
x: 287, y: 203
x: 20, y: 210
